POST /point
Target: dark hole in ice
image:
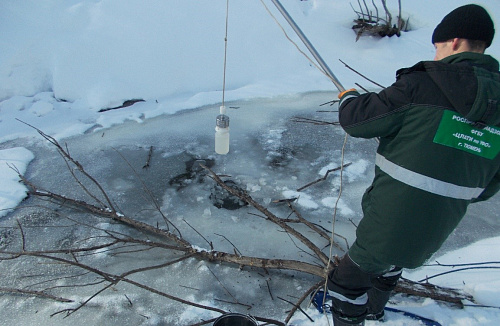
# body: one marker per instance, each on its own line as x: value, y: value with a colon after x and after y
x: 221, y: 198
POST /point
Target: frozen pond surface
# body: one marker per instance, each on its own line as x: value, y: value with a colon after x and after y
x: 271, y: 155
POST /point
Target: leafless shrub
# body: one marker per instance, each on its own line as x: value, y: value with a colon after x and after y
x: 370, y: 21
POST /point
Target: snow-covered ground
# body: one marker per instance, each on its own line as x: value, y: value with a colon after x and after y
x: 63, y: 61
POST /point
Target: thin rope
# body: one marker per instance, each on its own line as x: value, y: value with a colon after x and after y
x: 225, y: 55
x: 327, y: 267
x: 337, y: 202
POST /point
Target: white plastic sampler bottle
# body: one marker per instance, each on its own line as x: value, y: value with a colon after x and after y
x: 222, y: 133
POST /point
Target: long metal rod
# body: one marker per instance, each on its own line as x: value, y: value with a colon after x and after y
x: 309, y: 46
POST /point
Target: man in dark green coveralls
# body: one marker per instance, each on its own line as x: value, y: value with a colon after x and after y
x: 439, y: 131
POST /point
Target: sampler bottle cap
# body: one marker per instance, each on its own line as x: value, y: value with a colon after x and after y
x: 222, y: 121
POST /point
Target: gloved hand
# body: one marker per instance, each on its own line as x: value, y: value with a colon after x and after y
x: 346, y: 91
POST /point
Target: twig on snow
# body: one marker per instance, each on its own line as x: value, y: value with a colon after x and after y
x: 324, y: 177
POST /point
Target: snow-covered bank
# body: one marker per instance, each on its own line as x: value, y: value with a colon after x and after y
x: 97, y: 54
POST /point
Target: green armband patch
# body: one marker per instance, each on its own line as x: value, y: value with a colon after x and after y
x: 457, y: 132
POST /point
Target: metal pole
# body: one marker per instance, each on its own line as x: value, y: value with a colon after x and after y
x: 309, y: 46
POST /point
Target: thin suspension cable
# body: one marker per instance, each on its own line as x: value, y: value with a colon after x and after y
x: 323, y: 66
x: 291, y: 41
x: 225, y: 54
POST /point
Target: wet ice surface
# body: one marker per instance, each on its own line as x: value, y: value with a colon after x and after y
x: 271, y: 155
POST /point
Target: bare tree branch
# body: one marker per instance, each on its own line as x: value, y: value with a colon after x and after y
x: 68, y: 157
x: 36, y: 294
x: 350, y: 68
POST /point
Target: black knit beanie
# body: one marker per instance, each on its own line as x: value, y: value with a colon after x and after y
x: 470, y: 22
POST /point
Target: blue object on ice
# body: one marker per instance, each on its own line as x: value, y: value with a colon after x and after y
x: 321, y: 301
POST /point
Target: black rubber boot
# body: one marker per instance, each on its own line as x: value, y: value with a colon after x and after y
x: 348, y: 286
x: 347, y: 321
x: 377, y: 300
x: 379, y: 294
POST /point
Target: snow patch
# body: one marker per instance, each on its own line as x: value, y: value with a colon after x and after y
x: 11, y: 190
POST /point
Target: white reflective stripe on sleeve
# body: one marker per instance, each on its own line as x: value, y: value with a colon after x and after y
x: 346, y: 97
x: 426, y: 183
x: 359, y: 301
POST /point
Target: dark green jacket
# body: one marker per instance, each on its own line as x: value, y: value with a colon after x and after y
x: 439, y: 130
